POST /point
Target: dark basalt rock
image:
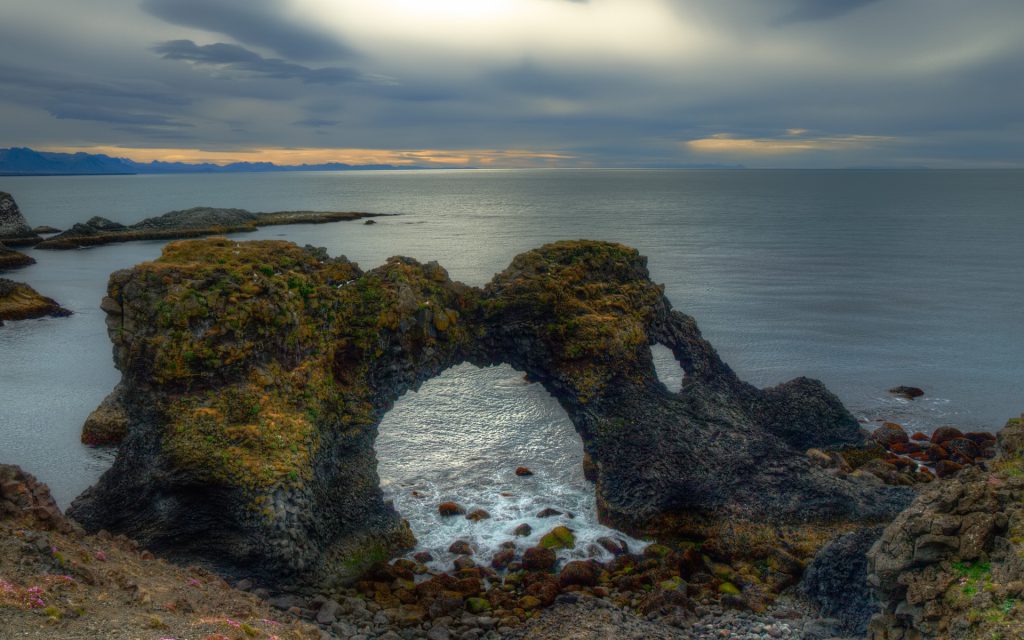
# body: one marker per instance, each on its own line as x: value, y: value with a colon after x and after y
x: 837, y: 580
x: 255, y: 375
x: 907, y: 392
x: 188, y: 223
x: 14, y: 230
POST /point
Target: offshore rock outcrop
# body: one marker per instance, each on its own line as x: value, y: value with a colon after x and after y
x: 952, y: 564
x: 11, y: 259
x: 188, y: 223
x: 19, y: 301
x: 14, y: 230
x: 255, y: 375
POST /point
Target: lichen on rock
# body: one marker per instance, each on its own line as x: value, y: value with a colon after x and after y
x: 255, y: 375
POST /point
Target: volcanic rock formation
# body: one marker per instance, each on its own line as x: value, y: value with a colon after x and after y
x: 255, y: 375
x: 14, y: 230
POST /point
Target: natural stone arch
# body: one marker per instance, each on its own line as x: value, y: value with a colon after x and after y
x: 255, y: 375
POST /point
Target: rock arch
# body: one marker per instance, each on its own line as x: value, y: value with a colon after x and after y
x: 255, y: 375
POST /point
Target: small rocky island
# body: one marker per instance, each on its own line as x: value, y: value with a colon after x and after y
x: 189, y: 223
x: 21, y: 302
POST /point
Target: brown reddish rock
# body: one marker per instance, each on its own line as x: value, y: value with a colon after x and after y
x: 476, y: 515
x: 961, y: 448
x: 905, y: 448
x: 539, y: 559
x: 946, y: 468
x: 502, y: 558
x: 945, y: 433
x: 889, y: 434
x: 548, y: 513
x: 936, y: 453
x: 461, y: 548
x: 462, y: 563
x: 918, y: 436
x: 451, y: 509
x: 613, y: 546
x: 523, y: 530
x: 423, y: 557
x: 523, y: 471
x: 583, y: 573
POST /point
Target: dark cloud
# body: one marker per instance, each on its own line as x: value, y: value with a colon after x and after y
x: 316, y: 123
x: 259, y: 23
x: 809, y: 10
x: 238, y: 58
x: 117, y: 116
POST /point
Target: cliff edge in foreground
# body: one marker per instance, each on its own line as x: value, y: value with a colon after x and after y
x: 255, y: 375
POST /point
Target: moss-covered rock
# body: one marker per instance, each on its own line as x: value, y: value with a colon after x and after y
x: 255, y: 375
x: 19, y: 301
x: 559, y: 538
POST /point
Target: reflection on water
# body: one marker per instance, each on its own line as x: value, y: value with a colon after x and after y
x: 461, y: 437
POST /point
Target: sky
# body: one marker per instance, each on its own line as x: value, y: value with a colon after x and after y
x: 520, y: 83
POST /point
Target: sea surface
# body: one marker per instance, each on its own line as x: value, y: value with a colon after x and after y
x: 864, y: 279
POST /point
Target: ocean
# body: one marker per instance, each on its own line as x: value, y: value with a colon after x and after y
x: 863, y: 279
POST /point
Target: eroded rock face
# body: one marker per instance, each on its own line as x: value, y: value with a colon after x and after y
x: 14, y: 230
x: 952, y: 564
x: 255, y: 375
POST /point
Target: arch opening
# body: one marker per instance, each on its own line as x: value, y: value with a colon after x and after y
x: 668, y: 368
x: 460, y: 438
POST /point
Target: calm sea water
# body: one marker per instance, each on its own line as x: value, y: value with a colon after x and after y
x: 864, y: 279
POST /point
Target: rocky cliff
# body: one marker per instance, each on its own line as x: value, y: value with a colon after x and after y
x: 255, y: 375
x: 14, y: 230
x: 952, y: 565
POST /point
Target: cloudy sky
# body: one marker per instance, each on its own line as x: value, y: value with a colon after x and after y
x: 772, y: 83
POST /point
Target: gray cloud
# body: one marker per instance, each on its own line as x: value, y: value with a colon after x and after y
x: 937, y: 80
x: 809, y: 10
x: 316, y: 123
x: 238, y: 58
x: 102, y: 114
x: 258, y: 23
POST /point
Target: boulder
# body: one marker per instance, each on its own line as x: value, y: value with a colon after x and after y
x: 582, y: 573
x: 837, y: 581
x: 890, y: 434
x: 108, y: 424
x: 255, y: 376
x: 27, y: 501
x: 907, y: 392
x: 538, y: 559
x: 943, y: 434
x: 449, y: 509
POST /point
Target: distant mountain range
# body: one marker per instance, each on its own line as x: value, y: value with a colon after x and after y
x: 22, y: 161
